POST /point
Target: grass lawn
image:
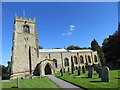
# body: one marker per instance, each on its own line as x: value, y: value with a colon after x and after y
x: 31, y: 83
x: 90, y: 83
x: 0, y: 84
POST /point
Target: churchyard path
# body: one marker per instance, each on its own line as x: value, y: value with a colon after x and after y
x: 61, y: 83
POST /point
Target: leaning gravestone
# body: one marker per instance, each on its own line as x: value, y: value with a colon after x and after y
x: 83, y: 69
x: 105, y: 74
x: 90, y: 72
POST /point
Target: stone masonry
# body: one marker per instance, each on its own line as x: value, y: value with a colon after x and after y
x: 28, y: 59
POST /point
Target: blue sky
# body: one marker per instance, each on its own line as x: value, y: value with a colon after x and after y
x: 61, y: 24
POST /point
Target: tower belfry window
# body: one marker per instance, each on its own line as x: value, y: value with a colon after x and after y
x: 26, y: 29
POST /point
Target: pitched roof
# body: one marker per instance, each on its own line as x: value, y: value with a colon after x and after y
x: 64, y: 50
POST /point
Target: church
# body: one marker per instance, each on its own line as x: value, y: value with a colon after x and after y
x: 28, y: 60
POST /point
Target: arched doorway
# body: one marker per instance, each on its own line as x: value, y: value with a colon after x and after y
x: 47, y: 70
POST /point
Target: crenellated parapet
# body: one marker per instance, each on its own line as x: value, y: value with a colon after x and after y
x: 24, y: 19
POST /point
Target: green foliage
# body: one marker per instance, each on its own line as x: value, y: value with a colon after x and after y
x: 72, y: 47
x: 95, y: 47
x: 111, y: 47
x: 91, y: 83
x: 6, y: 71
x: 40, y: 47
x: 0, y: 70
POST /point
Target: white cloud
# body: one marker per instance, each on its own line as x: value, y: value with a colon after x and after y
x: 72, y: 26
x: 69, y: 33
x: 66, y: 34
x: 71, y: 29
x: 63, y: 34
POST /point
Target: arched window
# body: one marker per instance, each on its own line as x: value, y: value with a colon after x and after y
x: 75, y: 60
x: 81, y: 60
x: 26, y: 29
x: 89, y: 59
x: 95, y: 58
x: 55, y: 62
x: 66, y: 62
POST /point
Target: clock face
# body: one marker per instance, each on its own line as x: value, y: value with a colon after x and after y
x: 26, y: 29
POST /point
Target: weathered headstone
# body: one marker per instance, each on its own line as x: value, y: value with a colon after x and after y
x: 68, y: 69
x: 79, y: 70
x: 64, y: 70
x: 76, y: 68
x: 90, y: 72
x: 105, y: 74
x: 100, y: 73
x: 72, y: 70
x: 61, y: 70
x: 83, y: 69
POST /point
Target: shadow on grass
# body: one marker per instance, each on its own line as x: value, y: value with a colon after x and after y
x: 117, y: 78
x: 84, y: 77
x: 96, y: 81
x: 14, y: 87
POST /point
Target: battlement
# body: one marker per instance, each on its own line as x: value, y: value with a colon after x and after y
x: 23, y: 19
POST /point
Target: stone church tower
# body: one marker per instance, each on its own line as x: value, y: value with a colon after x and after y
x: 25, y: 47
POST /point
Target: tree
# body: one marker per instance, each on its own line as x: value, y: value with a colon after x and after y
x: 72, y: 47
x: 111, y: 47
x: 95, y: 47
x: 6, y: 71
x: 40, y: 47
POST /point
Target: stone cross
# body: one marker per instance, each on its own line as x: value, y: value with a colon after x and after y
x: 105, y: 74
x: 90, y: 72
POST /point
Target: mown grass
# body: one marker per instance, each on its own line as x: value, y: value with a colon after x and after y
x: 90, y: 83
x: 0, y: 84
x: 30, y: 83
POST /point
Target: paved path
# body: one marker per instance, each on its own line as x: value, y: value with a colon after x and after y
x: 61, y: 83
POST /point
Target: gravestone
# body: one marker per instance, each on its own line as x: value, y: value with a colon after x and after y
x: 72, y: 70
x: 61, y: 72
x: 100, y: 73
x: 79, y: 70
x: 76, y: 68
x: 90, y: 72
x: 105, y: 74
x: 68, y: 69
x: 64, y: 70
x: 83, y: 69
